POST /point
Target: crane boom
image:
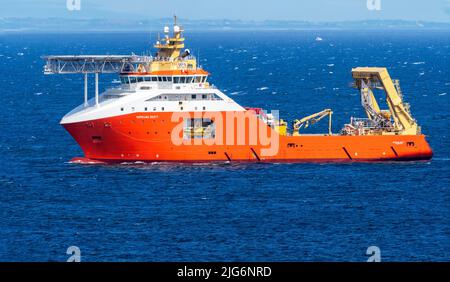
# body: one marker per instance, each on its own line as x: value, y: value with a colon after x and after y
x: 368, y: 78
x: 312, y: 119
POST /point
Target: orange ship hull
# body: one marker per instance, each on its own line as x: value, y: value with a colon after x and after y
x: 147, y: 137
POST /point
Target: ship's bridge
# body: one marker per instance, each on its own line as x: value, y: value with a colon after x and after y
x: 171, y: 64
x: 198, y: 76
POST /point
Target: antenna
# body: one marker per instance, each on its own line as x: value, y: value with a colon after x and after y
x: 174, y: 19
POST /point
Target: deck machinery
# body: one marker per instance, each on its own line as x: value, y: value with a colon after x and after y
x: 396, y: 120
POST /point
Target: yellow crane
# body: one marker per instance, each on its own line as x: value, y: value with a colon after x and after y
x: 397, y: 119
x: 310, y: 120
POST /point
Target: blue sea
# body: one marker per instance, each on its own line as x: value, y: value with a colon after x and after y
x: 229, y: 211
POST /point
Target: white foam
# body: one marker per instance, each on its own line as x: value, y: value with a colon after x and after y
x: 442, y: 94
x: 418, y: 63
x: 262, y: 88
x: 442, y: 159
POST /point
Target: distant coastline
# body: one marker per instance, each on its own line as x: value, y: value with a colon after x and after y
x: 117, y: 25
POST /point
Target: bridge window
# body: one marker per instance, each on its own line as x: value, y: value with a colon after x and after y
x: 132, y: 79
x: 140, y: 79
x: 186, y: 97
x: 187, y: 79
x: 124, y: 80
x: 147, y: 78
x: 154, y: 78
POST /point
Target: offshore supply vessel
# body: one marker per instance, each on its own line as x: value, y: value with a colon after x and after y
x: 166, y: 110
